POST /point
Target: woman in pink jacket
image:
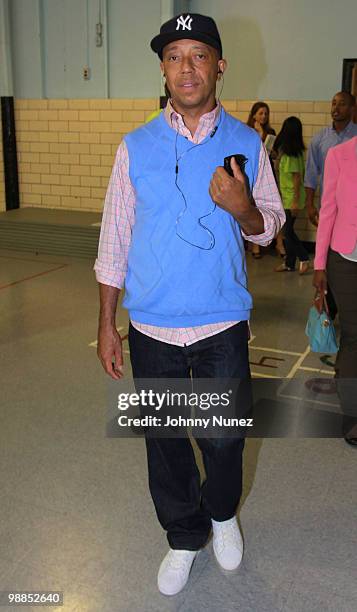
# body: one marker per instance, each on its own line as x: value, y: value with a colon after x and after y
x: 336, y: 262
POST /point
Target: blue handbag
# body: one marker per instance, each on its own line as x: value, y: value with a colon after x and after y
x: 320, y: 331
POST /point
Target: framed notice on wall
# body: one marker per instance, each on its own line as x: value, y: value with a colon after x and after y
x: 349, y: 75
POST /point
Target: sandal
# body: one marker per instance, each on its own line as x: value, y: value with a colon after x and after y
x: 303, y: 267
x: 284, y: 268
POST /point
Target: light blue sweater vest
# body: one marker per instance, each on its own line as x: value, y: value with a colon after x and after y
x: 171, y: 282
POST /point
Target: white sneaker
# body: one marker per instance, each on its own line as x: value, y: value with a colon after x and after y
x: 227, y: 543
x: 175, y: 570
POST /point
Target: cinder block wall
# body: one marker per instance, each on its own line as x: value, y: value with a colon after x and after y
x: 313, y: 115
x: 66, y: 147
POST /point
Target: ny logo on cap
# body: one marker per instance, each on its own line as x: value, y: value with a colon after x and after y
x: 184, y: 22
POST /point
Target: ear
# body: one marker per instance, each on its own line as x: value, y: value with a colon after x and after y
x: 222, y: 65
x: 162, y: 68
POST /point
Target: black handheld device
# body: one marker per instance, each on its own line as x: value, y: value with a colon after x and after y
x: 241, y: 161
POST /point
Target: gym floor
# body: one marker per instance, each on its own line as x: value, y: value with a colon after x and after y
x: 76, y: 513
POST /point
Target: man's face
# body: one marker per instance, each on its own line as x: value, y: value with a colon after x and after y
x: 341, y: 108
x: 191, y: 69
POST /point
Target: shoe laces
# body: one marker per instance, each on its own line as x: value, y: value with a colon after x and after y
x: 227, y: 534
x: 178, y: 560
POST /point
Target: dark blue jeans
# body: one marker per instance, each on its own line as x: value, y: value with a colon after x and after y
x: 184, y: 507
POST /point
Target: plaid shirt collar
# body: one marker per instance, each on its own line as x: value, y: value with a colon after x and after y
x: 205, y: 124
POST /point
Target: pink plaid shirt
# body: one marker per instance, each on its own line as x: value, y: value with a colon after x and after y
x: 119, y: 217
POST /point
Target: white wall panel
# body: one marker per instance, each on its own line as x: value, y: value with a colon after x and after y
x: 284, y: 49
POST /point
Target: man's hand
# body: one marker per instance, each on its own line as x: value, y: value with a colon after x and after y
x: 313, y: 215
x: 109, y: 348
x: 230, y: 193
x: 320, y: 283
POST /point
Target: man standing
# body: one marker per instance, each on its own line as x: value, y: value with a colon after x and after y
x: 173, y: 228
x: 342, y: 129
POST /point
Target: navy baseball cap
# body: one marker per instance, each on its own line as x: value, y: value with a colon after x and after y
x: 188, y: 25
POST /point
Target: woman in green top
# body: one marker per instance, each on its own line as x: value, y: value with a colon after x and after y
x: 289, y: 146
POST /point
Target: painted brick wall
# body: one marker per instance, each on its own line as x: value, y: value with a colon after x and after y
x: 66, y: 147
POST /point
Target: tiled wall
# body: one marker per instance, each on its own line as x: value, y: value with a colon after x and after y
x: 313, y: 115
x: 66, y: 147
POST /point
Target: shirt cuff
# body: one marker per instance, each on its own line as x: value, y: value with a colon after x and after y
x: 310, y: 184
x: 272, y: 225
x: 109, y: 275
